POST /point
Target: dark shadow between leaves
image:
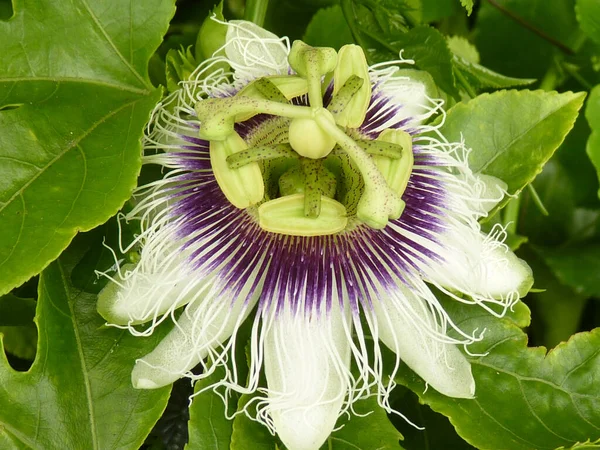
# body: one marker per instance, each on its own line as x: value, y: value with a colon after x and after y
x: 6, y: 10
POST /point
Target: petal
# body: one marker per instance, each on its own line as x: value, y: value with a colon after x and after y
x: 162, y: 281
x: 200, y: 331
x: 406, y: 325
x: 307, y: 368
x: 480, y: 265
x: 489, y: 192
x: 407, y: 98
x: 254, y: 52
x: 139, y: 296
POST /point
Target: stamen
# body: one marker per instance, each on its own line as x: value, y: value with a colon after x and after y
x: 255, y: 154
x: 318, y: 181
x: 382, y: 148
x: 243, y: 186
x: 285, y: 215
x: 378, y: 203
x: 352, y: 63
x: 342, y: 98
x: 396, y: 171
x: 269, y: 91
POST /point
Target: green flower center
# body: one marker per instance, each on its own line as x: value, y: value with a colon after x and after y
x: 307, y: 169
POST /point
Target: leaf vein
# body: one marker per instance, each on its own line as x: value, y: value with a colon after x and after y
x: 112, y: 44
x: 85, y: 372
x: 570, y: 372
x: 74, y: 143
x: 516, y: 139
x: 538, y: 418
x: 120, y: 87
x: 539, y: 380
x: 21, y: 227
x: 20, y: 161
x: 501, y: 425
x: 79, y: 191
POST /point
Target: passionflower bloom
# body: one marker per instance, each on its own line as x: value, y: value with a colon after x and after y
x: 305, y: 187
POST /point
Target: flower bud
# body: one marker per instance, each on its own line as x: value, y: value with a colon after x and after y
x: 211, y: 36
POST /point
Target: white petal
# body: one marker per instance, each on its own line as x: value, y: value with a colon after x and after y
x: 306, y: 365
x: 410, y: 95
x: 480, y: 265
x: 489, y: 191
x: 407, y: 326
x: 162, y: 281
x: 200, y: 331
x: 141, y: 296
x: 502, y: 273
x: 254, y: 52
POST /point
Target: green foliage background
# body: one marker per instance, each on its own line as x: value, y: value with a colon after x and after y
x: 78, y: 81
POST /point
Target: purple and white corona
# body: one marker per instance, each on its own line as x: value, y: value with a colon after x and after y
x: 305, y: 192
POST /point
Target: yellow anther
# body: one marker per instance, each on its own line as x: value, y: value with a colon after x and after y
x: 285, y: 215
x: 352, y: 61
x: 396, y: 171
x: 244, y: 186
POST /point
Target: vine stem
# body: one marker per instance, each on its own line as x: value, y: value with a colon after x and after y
x: 511, y: 215
x: 256, y: 11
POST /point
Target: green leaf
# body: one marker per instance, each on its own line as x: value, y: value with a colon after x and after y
x: 462, y: 48
x: 588, y: 16
x: 212, y: 34
x: 576, y: 265
x: 507, y: 35
x: 78, y: 392
x: 592, y: 109
x: 593, y: 151
x: 73, y: 103
x: 558, y: 308
x: 371, y: 431
x: 383, y: 33
x: 249, y: 434
x: 512, y: 133
x: 555, y: 191
x: 483, y: 78
x: 592, y: 114
x: 179, y: 66
x: 428, y: 47
x: 438, y: 432
x: 328, y: 28
x: 525, y: 398
x: 209, y: 428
